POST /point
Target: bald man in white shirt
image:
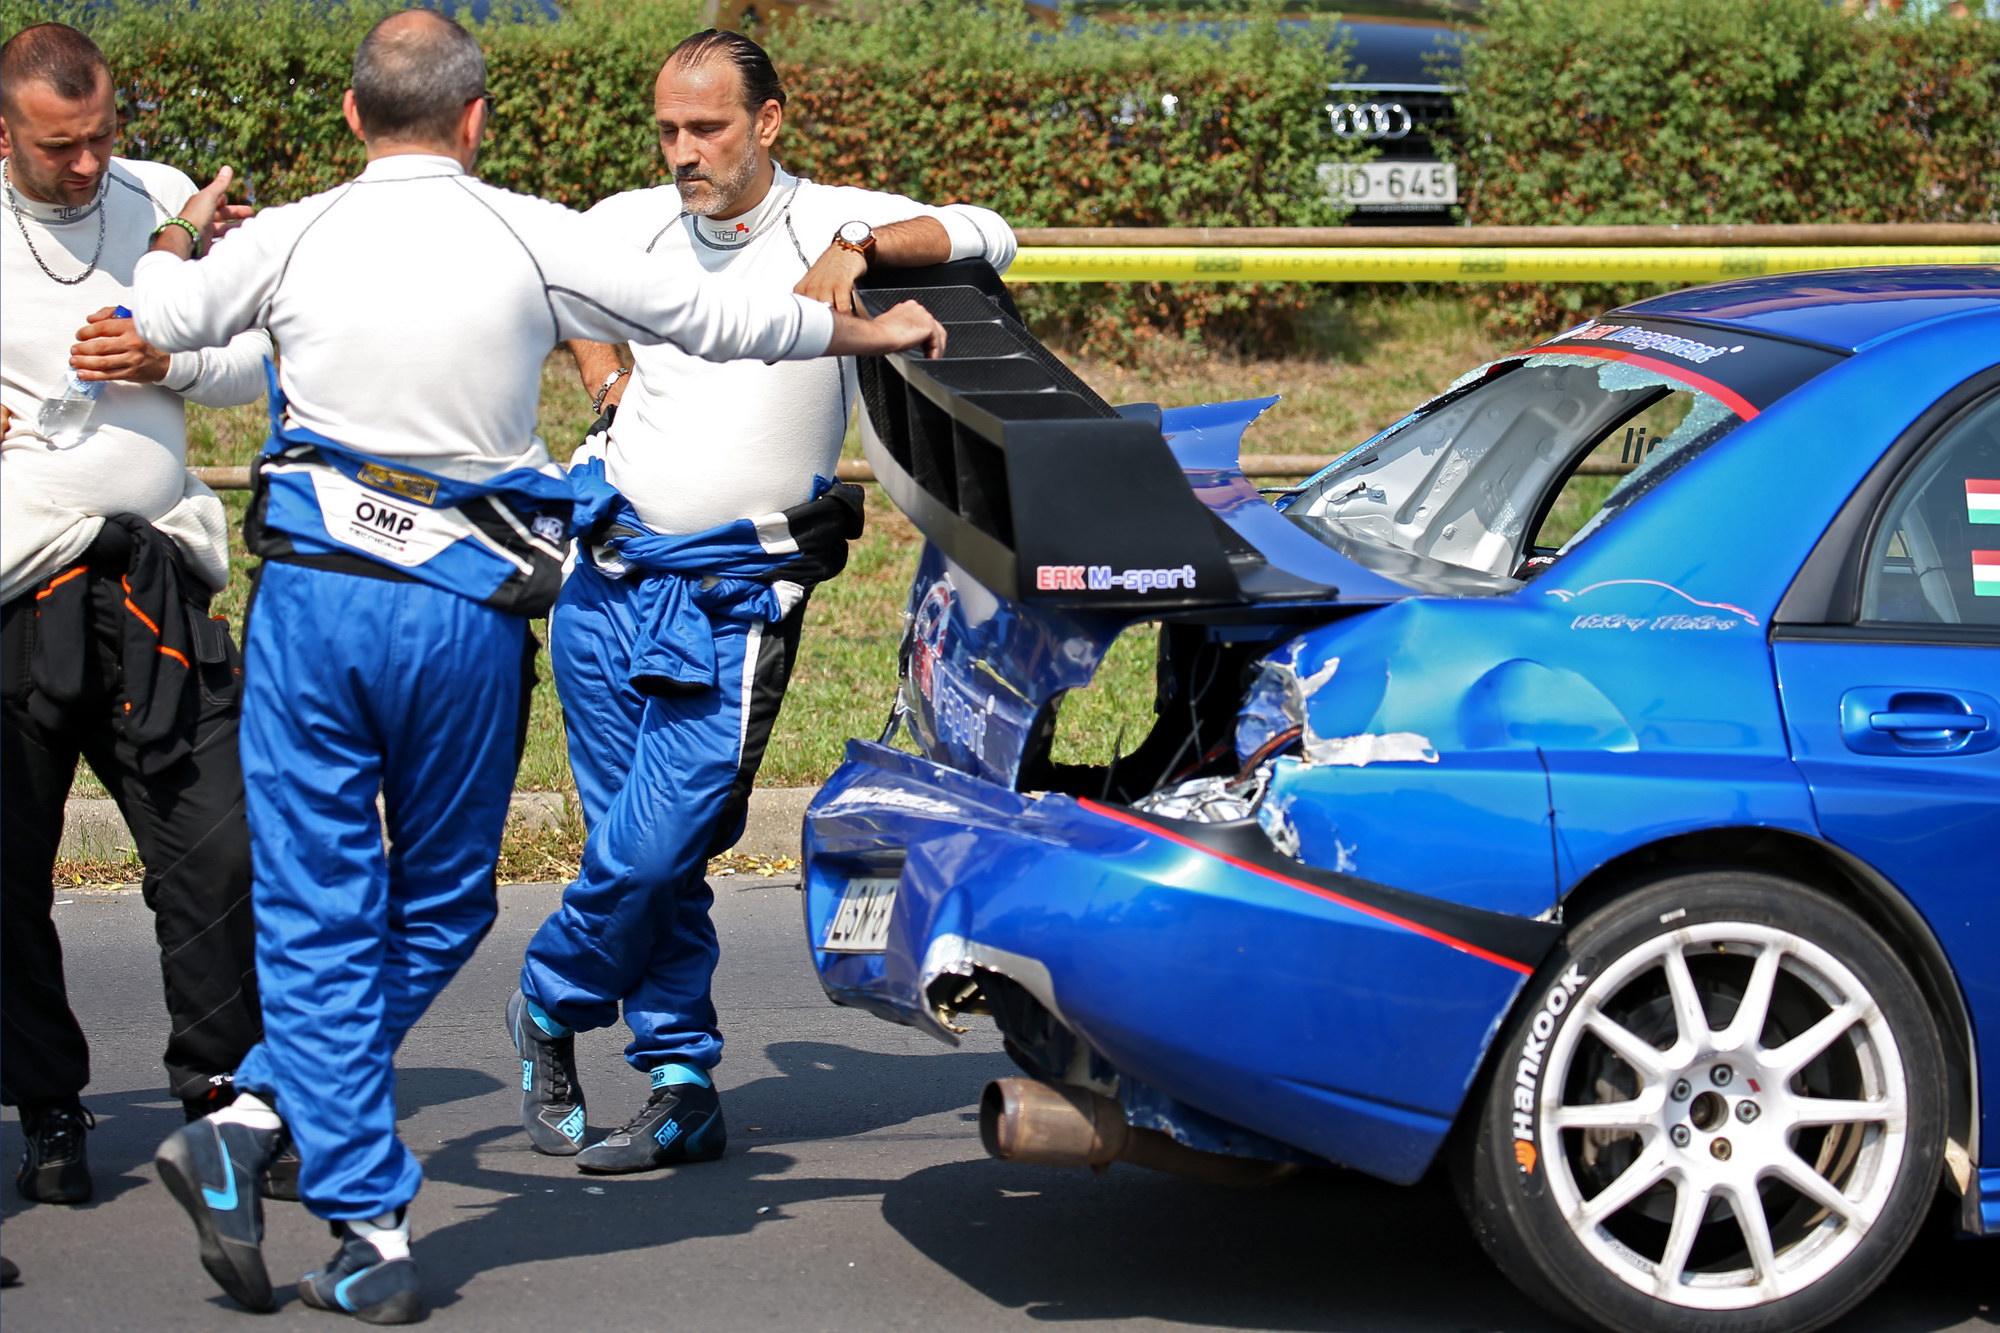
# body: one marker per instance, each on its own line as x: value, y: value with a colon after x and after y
x: 410, y: 521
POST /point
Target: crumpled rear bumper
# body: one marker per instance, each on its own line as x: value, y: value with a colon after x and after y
x: 1219, y: 993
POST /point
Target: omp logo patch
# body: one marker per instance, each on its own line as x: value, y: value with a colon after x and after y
x: 1528, y: 1069
x: 571, y: 1126
x: 527, y: 1076
x: 548, y: 527
x: 668, y: 1132
x: 406, y: 484
x: 384, y: 518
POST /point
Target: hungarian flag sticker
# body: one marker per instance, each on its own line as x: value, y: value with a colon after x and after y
x: 1986, y: 573
x: 1982, y: 501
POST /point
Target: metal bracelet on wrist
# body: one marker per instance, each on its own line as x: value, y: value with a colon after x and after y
x: 604, y: 389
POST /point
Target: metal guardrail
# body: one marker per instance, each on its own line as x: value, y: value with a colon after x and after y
x: 1666, y: 253
x: 1670, y: 236
x: 1277, y: 467
x: 1486, y: 254
x: 1688, y: 264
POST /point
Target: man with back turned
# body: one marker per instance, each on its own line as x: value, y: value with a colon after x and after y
x: 410, y: 522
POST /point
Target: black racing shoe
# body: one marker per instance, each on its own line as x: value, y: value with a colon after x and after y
x: 551, y: 1098
x: 680, y: 1122
x: 360, y: 1280
x: 55, y: 1166
x: 212, y: 1170
x: 281, y: 1177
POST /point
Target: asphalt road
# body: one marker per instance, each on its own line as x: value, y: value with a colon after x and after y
x: 854, y: 1196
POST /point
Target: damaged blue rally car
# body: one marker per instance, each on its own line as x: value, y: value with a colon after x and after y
x: 1590, y: 783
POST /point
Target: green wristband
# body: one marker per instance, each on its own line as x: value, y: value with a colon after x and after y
x: 194, y: 233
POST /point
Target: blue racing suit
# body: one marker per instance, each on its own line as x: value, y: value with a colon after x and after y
x: 361, y: 676
x: 670, y: 675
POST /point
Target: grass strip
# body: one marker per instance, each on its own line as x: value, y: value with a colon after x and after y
x: 1372, y: 357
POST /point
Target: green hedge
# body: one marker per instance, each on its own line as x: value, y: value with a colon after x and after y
x: 939, y: 101
x: 1575, y: 111
x: 1714, y: 111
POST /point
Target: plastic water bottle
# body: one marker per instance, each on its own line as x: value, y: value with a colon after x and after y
x: 65, y: 420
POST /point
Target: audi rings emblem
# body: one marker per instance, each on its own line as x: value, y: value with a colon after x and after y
x: 1369, y: 120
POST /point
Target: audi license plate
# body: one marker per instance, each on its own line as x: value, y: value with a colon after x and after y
x: 1391, y: 184
x: 861, y: 925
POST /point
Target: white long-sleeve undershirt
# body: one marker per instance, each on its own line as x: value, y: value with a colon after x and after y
x: 413, y: 306
x: 696, y: 444
x: 134, y: 459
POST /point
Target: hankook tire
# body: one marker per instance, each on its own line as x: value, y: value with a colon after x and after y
x: 1720, y: 1106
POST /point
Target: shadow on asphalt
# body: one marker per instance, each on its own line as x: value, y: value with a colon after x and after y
x: 823, y: 1091
x: 1329, y: 1250
x: 421, y: 1088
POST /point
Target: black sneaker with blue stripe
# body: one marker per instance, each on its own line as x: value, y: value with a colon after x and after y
x: 213, y: 1171
x: 363, y: 1281
x: 551, y: 1098
x: 680, y: 1122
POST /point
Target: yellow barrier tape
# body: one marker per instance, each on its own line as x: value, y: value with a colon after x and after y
x: 1467, y: 264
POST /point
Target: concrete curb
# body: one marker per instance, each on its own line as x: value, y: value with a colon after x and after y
x: 93, y: 830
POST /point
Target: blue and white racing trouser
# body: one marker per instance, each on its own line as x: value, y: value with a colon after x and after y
x: 664, y: 780
x: 354, y: 686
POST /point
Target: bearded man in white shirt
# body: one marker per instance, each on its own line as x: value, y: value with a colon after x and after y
x: 693, y: 454
x: 109, y: 553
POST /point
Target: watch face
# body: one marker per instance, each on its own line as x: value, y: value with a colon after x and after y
x: 856, y: 233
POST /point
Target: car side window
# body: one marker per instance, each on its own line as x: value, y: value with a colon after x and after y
x: 1611, y: 465
x: 1935, y: 557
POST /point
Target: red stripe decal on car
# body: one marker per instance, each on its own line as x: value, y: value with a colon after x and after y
x: 1727, y: 396
x: 1416, y: 927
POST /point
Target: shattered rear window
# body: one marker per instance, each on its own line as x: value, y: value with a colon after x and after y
x: 1526, y: 456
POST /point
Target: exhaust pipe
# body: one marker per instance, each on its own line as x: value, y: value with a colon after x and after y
x: 1022, y: 1120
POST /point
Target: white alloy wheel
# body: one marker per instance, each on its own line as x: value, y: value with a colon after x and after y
x: 1720, y: 1126
x: 1721, y: 1102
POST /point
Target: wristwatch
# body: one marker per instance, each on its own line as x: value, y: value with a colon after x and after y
x: 858, y: 237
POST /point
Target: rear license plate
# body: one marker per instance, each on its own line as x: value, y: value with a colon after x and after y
x: 862, y: 923
x: 1394, y: 184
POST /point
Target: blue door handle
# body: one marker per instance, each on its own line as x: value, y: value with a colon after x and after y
x: 1927, y: 722
x: 1912, y: 722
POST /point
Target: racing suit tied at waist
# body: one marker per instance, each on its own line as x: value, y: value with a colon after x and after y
x: 726, y: 572
x: 169, y: 651
x: 499, y: 541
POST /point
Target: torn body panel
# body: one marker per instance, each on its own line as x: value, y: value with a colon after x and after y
x: 1192, y: 965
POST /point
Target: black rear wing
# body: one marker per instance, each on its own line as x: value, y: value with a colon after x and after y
x: 1022, y: 475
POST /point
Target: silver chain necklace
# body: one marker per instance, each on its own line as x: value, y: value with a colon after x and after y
x: 14, y: 207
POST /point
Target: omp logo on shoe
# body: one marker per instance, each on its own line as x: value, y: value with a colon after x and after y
x: 527, y: 1076
x: 571, y: 1126
x: 668, y: 1132
x: 1528, y: 1071
x: 421, y: 489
